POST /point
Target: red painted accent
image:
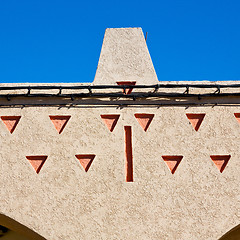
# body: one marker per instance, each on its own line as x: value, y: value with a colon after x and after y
x: 85, y: 160
x: 144, y: 119
x: 172, y: 162
x: 237, y: 115
x: 220, y: 161
x: 37, y: 162
x: 110, y: 120
x: 11, y: 122
x: 59, y: 122
x: 128, y: 153
x: 127, y: 90
x: 196, y: 119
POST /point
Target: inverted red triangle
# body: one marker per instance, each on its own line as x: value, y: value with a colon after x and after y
x: 59, y: 122
x: 110, y: 120
x: 237, y: 115
x: 220, y: 161
x: 144, y: 119
x: 37, y: 162
x: 196, y: 119
x: 11, y: 122
x: 172, y: 162
x: 127, y: 90
x: 85, y: 160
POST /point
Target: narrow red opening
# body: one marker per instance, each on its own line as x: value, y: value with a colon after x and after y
x: 128, y: 153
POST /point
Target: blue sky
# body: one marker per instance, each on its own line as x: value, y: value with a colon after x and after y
x: 60, y: 41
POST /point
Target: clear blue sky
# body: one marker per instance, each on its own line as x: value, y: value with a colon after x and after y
x: 60, y: 41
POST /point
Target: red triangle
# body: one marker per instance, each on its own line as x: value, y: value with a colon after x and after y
x: 144, y: 119
x: 196, y: 119
x: 237, y: 115
x: 110, y: 120
x: 59, y: 122
x: 172, y: 162
x: 37, y: 162
x: 127, y: 90
x: 11, y: 122
x: 85, y: 160
x: 220, y: 161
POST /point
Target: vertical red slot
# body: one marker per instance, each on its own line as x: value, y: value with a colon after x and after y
x: 128, y: 153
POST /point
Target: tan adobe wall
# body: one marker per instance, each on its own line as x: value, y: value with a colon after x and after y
x: 111, y: 168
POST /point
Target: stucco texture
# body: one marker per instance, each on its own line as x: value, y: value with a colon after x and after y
x: 63, y: 201
x: 125, y: 57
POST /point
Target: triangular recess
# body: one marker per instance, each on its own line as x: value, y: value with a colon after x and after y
x: 144, y: 119
x: 110, y: 120
x: 85, y: 160
x: 59, y: 122
x: 196, y: 119
x: 220, y: 161
x: 172, y: 162
x: 237, y: 115
x: 11, y: 122
x: 127, y: 90
x: 37, y: 162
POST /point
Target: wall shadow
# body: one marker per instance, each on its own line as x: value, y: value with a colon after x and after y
x: 19, y: 228
x: 233, y: 234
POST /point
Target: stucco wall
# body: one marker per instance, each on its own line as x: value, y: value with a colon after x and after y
x: 124, y: 56
x: 64, y: 202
